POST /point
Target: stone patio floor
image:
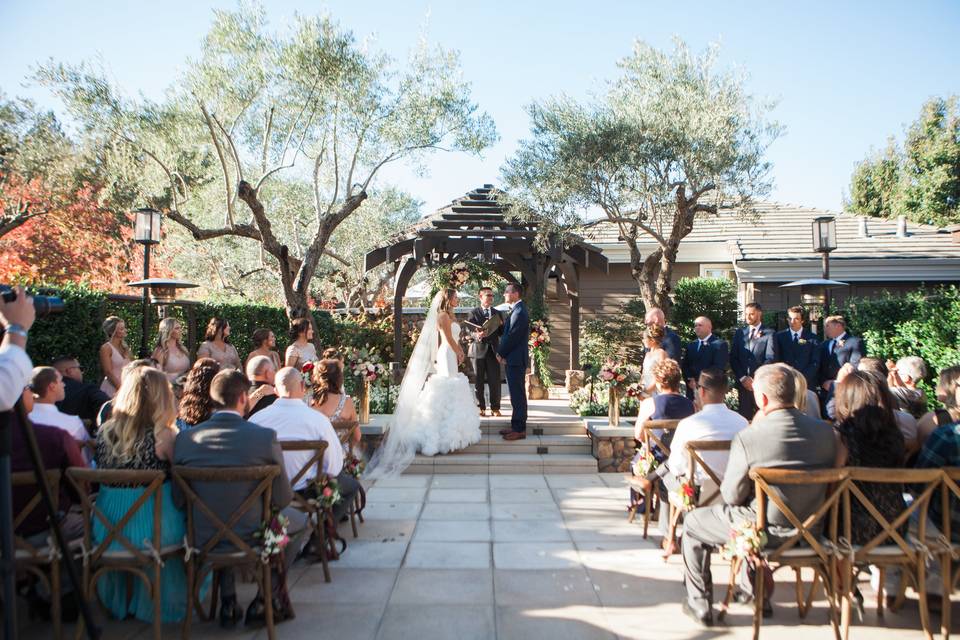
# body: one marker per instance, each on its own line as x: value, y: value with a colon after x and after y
x: 512, y: 557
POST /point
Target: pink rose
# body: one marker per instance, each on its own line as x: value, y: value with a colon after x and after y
x: 327, y: 492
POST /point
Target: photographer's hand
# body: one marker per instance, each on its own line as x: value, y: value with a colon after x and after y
x: 19, y: 312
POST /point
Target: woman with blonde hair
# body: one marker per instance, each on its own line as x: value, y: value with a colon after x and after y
x: 170, y: 354
x: 139, y: 436
x: 114, y: 354
x: 331, y: 400
x: 807, y: 401
x: 216, y: 344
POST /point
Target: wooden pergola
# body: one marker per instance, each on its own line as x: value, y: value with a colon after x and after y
x: 478, y: 225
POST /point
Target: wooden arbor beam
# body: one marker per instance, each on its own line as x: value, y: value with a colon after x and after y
x: 406, y: 272
x: 570, y: 276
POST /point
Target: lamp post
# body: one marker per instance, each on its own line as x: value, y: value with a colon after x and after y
x: 824, y: 230
x: 147, y: 233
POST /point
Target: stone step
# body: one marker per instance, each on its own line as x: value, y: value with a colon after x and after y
x: 498, y: 463
x: 545, y: 445
x: 492, y: 427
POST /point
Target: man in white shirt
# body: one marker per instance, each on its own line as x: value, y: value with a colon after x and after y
x: 292, y: 419
x: 15, y: 367
x: 47, y: 387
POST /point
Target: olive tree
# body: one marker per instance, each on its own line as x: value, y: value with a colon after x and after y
x: 276, y: 138
x: 672, y: 140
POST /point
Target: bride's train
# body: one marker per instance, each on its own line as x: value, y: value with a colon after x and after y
x: 446, y: 417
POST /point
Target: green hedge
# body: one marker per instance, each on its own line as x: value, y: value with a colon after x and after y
x: 77, y: 331
x: 923, y: 323
x: 715, y: 298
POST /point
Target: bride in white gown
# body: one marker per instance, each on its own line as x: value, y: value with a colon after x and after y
x: 435, y: 410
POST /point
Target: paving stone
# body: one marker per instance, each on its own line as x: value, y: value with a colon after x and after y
x: 530, y: 531
x: 535, y: 555
x: 457, y: 495
x: 453, y: 531
x: 448, y: 555
x: 406, y: 622
x: 456, y: 511
x: 572, y: 623
x: 543, y: 588
x: 443, y: 586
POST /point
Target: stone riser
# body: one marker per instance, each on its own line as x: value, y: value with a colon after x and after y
x: 498, y: 463
x: 555, y: 429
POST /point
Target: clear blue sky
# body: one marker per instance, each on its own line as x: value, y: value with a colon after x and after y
x: 846, y: 74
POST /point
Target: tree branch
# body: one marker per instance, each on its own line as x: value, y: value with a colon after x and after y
x: 223, y: 162
x: 237, y: 230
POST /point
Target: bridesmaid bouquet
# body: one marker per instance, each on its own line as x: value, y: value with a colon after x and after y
x: 745, y: 542
x: 273, y: 536
x: 306, y: 370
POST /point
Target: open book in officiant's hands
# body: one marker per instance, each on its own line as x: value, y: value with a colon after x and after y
x: 492, y: 324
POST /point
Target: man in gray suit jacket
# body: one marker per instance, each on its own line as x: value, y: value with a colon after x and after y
x: 783, y: 438
x: 227, y: 440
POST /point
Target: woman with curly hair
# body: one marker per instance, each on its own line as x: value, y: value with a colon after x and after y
x: 869, y: 437
x: 171, y: 356
x: 667, y: 403
x: 196, y: 405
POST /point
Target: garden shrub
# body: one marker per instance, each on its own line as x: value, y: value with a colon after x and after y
x: 715, y: 298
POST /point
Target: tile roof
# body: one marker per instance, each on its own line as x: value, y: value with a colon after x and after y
x: 783, y: 231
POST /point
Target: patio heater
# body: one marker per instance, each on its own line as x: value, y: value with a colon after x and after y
x: 146, y: 232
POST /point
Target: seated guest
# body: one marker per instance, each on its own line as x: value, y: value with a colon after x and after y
x: 668, y: 403
x: 264, y: 343
x: 331, y: 400
x: 48, y: 389
x: 58, y: 451
x: 107, y: 408
x: 905, y: 422
x: 196, y: 405
x: 227, y: 440
x: 798, y: 347
x: 714, y: 421
x: 115, y: 354
x: 171, y: 356
x: 869, y: 437
x: 81, y: 399
x: 807, y: 401
x: 140, y: 436
x: 292, y: 419
x: 942, y: 448
x: 903, y: 378
x: 301, y: 349
x: 706, y: 352
x: 671, y: 341
x: 782, y: 437
x: 216, y: 344
x: 653, y: 354
x: 261, y: 372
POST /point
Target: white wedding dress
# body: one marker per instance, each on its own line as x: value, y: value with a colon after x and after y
x: 435, y: 410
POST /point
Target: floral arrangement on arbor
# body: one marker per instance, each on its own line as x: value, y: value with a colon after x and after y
x: 457, y: 275
x: 540, y: 350
x: 327, y: 490
x: 273, y: 536
x: 745, y: 542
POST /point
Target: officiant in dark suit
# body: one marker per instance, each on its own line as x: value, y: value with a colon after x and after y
x: 483, y: 352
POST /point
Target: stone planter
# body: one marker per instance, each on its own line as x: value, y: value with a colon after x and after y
x: 574, y: 379
x: 535, y: 388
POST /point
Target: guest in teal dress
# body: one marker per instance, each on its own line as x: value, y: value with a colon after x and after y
x: 140, y: 436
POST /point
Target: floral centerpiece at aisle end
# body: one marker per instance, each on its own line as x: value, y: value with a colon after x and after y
x: 619, y: 376
x: 540, y: 350
x: 365, y: 366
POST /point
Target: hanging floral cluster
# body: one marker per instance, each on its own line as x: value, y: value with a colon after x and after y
x: 539, y: 344
x: 327, y: 490
x: 273, y: 536
x: 686, y: 495
x: 745, y: 542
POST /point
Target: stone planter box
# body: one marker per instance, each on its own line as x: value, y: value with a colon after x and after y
x: 371, y: 434
x: 613, y: 447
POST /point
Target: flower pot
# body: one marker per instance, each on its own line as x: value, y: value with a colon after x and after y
x: 613, y: 408
x: 363, y: 402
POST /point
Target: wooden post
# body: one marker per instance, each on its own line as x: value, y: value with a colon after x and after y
x: 574, y: 332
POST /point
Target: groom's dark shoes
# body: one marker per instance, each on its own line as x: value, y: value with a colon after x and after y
x: 515, y: 435
x: 504, y: 432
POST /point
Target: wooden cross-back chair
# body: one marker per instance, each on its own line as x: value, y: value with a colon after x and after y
x: 142, y: 561
x: 649, y: 439
x: 949, y: 550
x: 890, y: 547
x: 345, y: 429
x: 806, y: 547
x: 225, y: 549
x: 693, y: 450
x: 38, y: 560
x: 319, y: 517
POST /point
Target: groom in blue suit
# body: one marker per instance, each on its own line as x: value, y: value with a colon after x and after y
x: 515, y: 353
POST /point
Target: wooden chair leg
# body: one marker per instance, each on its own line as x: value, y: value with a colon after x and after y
x: 731, y: 587
x: 55, y: 598
x: 922, y: 593
x: 155, y: 588
x: 946, y: 585
x: 361, y: 499
x: 758, y: 595
x: 846, y: 597
x: 353, y: 521
x: 191, y: 599
x: 882, y: 574
x: 321, y: 546
x: 268, y: 600
x: 214, y: 593
x: 670, y: 540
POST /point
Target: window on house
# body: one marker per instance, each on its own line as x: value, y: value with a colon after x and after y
x: 717, y: 271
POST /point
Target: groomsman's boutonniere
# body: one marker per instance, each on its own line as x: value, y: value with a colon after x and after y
x: 840, y: 343
x: 802, y: 341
